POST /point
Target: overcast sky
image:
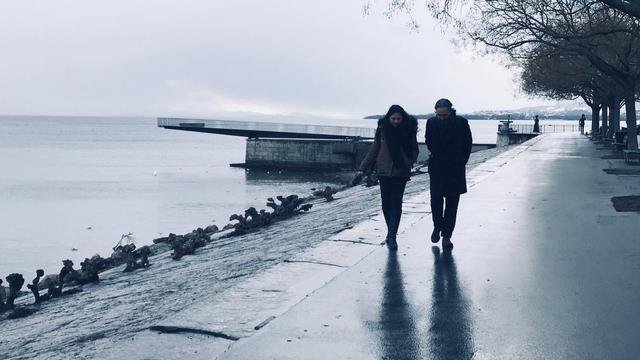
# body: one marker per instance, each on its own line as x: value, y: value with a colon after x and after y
x: 213, y: 57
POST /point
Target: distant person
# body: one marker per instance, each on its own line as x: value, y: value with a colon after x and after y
x: 448, y: 138
x: 581, y: 124
x: 394, y: 151
x: 536, y: 124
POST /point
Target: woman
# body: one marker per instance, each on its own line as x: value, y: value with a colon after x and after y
x: 393, y: 152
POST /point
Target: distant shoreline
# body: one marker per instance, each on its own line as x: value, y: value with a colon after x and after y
x: 510, y: 116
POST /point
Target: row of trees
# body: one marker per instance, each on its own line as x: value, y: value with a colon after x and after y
x: 566, y: 49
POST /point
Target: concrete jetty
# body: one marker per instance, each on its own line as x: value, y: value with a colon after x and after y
x: 298, y: 146
x: 254, y: 129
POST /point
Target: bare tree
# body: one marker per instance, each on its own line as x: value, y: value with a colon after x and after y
x: 561, y: 76
x: 447, y: 8
x: 629, y: 7
x: 607, y: 39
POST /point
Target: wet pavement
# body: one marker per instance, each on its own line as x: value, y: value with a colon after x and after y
x: 543, y: 268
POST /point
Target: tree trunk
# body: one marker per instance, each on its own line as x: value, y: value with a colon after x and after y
x: 632, y: 127
x: 605, y: 120
x: 595, y: 119
x: 614, y: 116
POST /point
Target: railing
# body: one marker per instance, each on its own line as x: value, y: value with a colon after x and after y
x: 544, y: 128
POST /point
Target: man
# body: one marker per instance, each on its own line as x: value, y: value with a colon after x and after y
x: 581, y: 124
x: 448, y: 138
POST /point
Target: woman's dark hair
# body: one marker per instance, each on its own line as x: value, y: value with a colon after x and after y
x: 400, y: 138
x: 409, y: 122
x: 445, y: 103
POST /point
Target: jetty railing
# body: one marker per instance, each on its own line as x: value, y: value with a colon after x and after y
x: 545, y: 128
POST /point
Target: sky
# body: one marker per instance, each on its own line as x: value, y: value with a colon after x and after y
x: 211, y: 58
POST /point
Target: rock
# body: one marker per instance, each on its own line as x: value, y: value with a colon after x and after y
x: 211, y: 229
x: 161, y: 240
x: 51, y: 279
x: 327, y: 193
x: 15, y: 282
x: 159, y: 248
x: 20, y: 312
x: 71, y: 291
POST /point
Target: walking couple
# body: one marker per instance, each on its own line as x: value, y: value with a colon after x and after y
x: 395, y: 150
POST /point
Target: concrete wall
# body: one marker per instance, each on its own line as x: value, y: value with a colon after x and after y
x: 316, y: 154
x: 505, y: 139
x: 325, y: 154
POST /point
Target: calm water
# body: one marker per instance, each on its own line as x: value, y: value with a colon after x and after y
x: 80, y: 183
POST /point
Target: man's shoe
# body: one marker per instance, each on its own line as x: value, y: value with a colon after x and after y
x: 435, y: 236
x: 392, y: 244
x: 446, y: 243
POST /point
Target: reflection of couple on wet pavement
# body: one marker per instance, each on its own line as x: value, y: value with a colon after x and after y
x: 395, y: 150
x: 448, y: 331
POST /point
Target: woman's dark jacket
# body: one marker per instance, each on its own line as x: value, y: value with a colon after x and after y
x: 450, y: 145
x: 381, y: 158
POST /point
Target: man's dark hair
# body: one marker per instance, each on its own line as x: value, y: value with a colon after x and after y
x: 445, y: 103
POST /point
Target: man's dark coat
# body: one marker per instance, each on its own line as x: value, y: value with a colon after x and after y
x: 450, y: 143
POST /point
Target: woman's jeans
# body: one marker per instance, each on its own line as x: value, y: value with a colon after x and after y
x: 391, y: 192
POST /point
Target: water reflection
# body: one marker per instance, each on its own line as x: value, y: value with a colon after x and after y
x: 397, y: 319
x: 450, y: 331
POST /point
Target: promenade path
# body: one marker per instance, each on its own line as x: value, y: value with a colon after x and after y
x: 543, y: 268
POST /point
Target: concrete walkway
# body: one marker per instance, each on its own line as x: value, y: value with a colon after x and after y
x: 543, y: 268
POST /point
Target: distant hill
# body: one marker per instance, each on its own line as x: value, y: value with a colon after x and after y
x: 562, y: 112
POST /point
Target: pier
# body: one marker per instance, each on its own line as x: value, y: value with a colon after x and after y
x: 300, y: 146
x: 255, y: 130
x: 512, y: 134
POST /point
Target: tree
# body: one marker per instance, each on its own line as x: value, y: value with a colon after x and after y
x: 445, y: 8
x: 608, y: 39
x: 629, y: 7
x: 565, y: 76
